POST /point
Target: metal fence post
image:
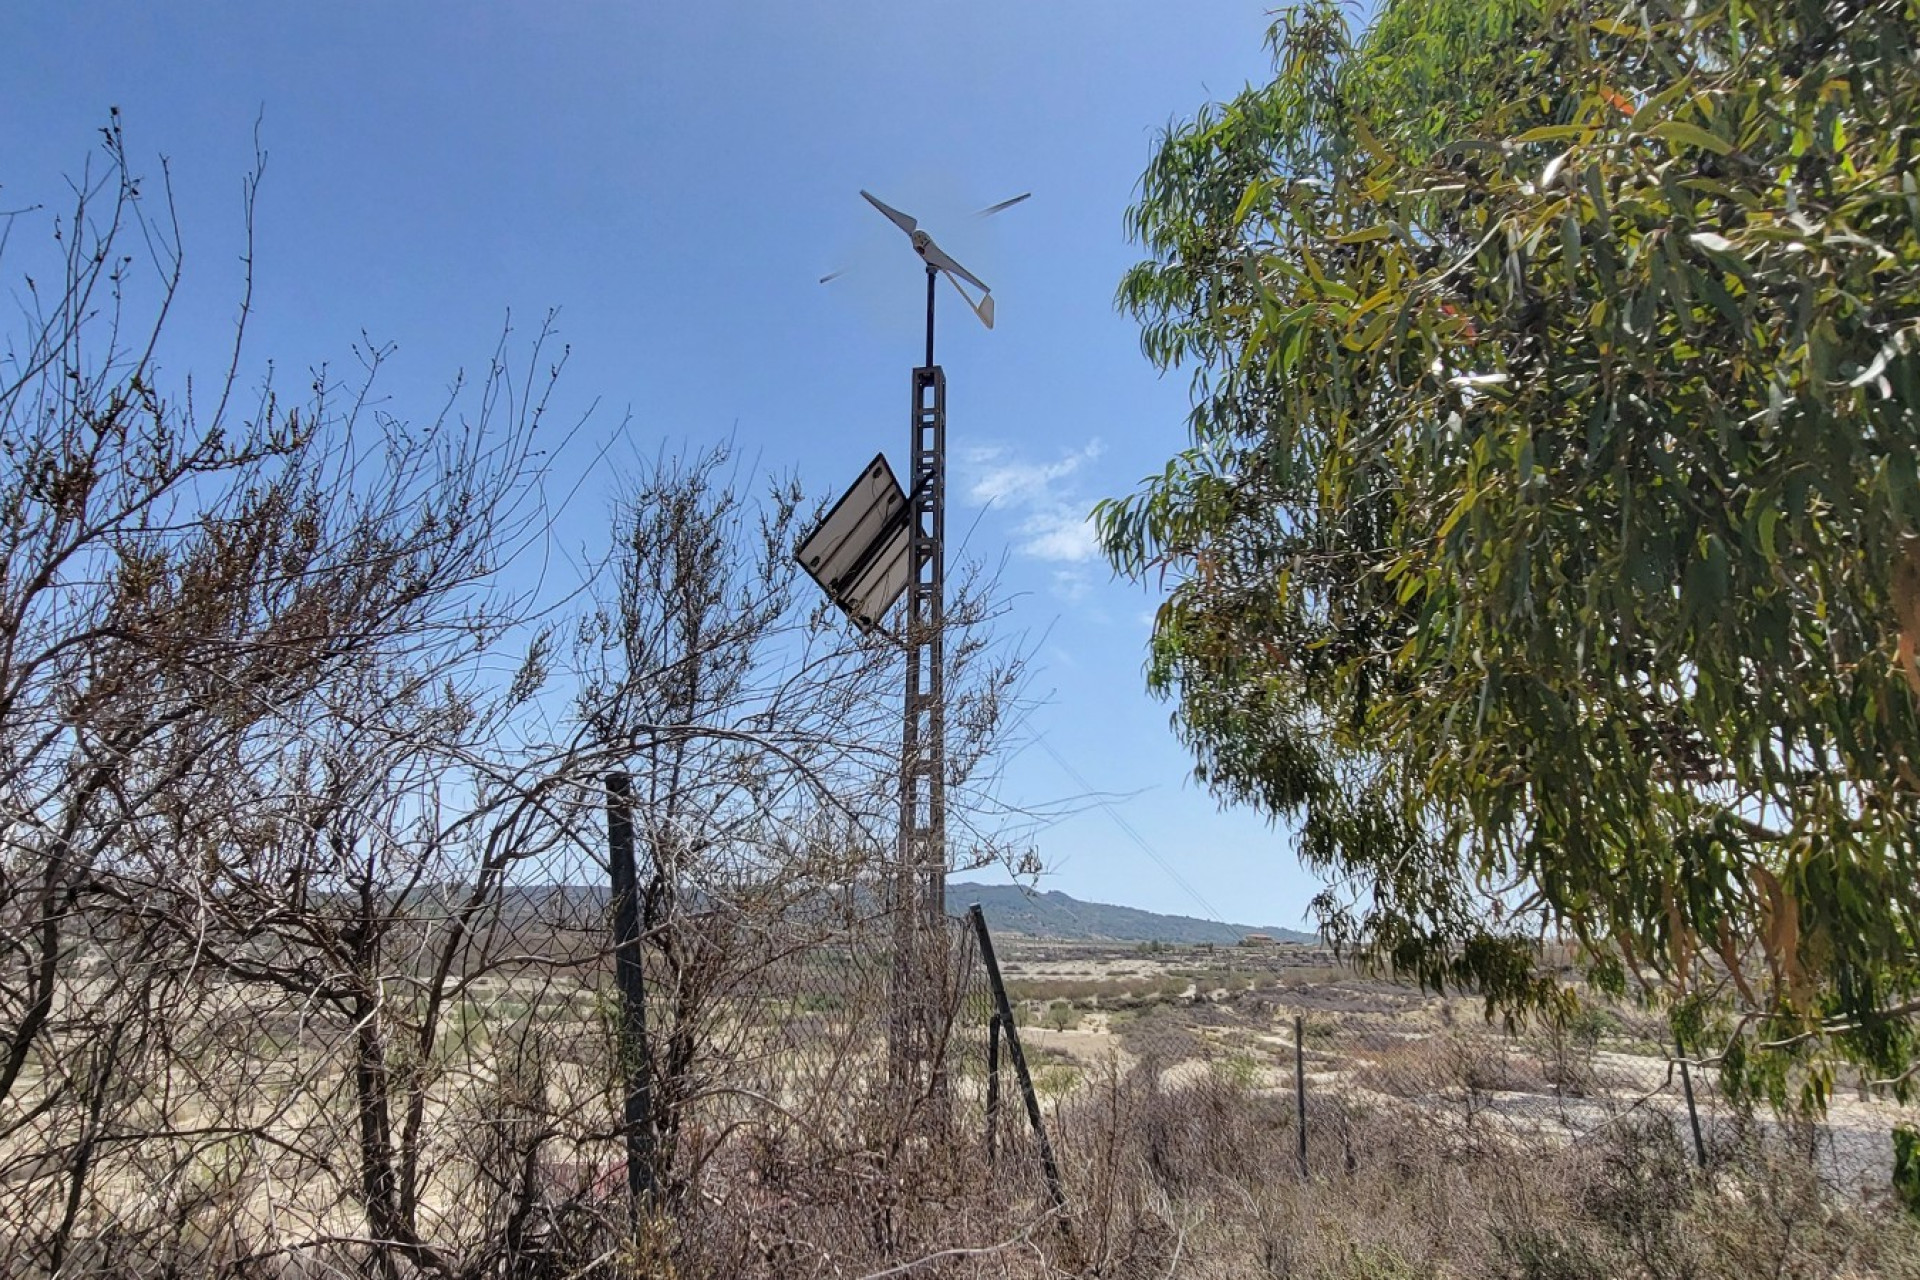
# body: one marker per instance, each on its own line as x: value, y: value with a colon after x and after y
x: 1300, y: 1088
x: 631, y: 980
x: 1693, y: 1112
x: 993, y: 1085
x: 1020, y: 1072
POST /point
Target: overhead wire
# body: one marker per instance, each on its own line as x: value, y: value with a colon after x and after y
x: 1132, y: 834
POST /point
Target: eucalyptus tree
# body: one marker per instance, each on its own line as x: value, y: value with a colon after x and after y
x: 1548, y: 540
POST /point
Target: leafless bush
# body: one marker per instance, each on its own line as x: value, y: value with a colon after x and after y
x: 303, y: 941
x: 231, y: 637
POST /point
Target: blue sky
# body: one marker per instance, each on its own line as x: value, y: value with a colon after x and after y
x: 675, y: 178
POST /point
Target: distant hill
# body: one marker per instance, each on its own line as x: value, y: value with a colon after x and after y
x: 1012, y: 909
x: 1009, y: 908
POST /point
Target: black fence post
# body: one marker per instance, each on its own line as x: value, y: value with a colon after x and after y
x: 993, y: 1085
x: 1020, y: 1072
x: 1300, y: 1088
x: 631, y: 980
x: 1693, y: 1112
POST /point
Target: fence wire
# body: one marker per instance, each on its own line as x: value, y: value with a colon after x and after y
x: 437, y: 1086
x: 1263, y: 1111
x: 1319, y: 1048
x: 441, y: 1089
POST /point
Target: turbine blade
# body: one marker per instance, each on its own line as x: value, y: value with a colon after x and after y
x: 982, y: 308
x: 938, y: 257
x: 898, y: 218
x: 992, y: 209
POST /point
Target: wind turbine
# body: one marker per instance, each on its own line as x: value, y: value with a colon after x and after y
x: 940, y: 262
x: 878, y: 544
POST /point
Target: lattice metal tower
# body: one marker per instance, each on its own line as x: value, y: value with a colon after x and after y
x: 920, y: 894
x: 861, y: 583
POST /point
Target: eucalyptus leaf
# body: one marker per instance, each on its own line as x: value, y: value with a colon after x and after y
x: 1591, y: 552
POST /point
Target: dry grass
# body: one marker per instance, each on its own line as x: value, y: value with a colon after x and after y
x: 1202, y: 1181
x: 1176, y: 1126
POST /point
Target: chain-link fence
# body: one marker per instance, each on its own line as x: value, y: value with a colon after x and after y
x: 1332, y: 1044
x: 463, y: 1102
x: 437, y: 1081
x: 1268, y: 1108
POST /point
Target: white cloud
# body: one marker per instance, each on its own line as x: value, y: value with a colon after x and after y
x: 1052, y: 523
x: 1064, y: 535
x: 1016, y: 482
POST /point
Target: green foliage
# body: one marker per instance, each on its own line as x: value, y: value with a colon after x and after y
x: 1906, y: 1167
x: 1056, y: 1080
x: 1542, y: 1254
x: 1548, y: 542
x: 1239, y: 1070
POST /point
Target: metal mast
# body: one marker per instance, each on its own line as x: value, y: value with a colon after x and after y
x: 920, y: 903
x: 924, y: 783
x: 858, y: 558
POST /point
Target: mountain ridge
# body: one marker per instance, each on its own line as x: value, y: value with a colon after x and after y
x: 1012, y: 908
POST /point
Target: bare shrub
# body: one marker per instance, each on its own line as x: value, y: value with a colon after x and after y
x: 301, y: 911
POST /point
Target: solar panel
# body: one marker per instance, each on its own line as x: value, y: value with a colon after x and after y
x: 858, y: 555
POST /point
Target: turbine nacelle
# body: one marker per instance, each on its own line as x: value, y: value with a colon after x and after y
x: 937, y: 259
